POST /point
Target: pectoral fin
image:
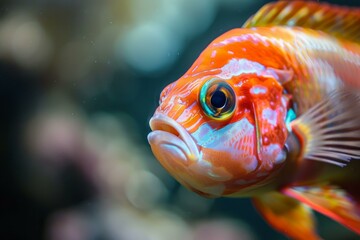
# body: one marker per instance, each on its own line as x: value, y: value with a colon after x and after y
x: 330, y: 201
x: 330, y: 131
x: 287, y: 215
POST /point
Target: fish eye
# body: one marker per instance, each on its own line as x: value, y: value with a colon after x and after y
x: 217, y: 99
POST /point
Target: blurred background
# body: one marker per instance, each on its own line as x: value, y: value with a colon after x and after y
x: 79, y: 81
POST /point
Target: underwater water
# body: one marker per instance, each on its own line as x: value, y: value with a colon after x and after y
x: 79, y: 81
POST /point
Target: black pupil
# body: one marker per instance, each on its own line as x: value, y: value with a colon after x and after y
x: 218, y: 99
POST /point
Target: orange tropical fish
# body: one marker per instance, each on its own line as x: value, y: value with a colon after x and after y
x: 271, y: 111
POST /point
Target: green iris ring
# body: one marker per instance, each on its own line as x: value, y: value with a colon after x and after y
x: 223, y: 113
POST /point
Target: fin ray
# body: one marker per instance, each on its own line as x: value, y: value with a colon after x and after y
x: 330, y: 130
x: 330, y: 201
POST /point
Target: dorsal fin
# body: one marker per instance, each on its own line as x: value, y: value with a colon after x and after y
x: 341, y: 22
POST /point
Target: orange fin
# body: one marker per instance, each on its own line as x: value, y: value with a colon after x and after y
x: 330, y: 201
x: 330, y: 131
x: 341, y: 22
x: 287, y: 215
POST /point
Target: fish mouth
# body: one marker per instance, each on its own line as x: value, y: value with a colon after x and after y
x: 170, y: 141
x: 179, y: 154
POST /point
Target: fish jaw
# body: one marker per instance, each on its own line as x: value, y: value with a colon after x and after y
x: 173, y: 147
x: 178, y: 153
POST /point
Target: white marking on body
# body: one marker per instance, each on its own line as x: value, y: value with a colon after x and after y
x: 270, y: 116
x: 281, y: 157
x: 213, y: 54
x: 274, y: 153
x: 325, y: 57
x: 306, y: 42
x: 250, y: 164
x: 324, y: 73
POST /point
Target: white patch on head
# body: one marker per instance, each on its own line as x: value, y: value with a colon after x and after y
x: 236, y: 67
x: 270, y: 116
x: 258, y: 89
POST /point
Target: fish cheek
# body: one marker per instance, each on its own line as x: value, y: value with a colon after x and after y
x: 214, y: 165
x: 225, y: 166
x: 227, y: 154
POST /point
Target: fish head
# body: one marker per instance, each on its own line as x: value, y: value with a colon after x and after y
x: 221, y: 131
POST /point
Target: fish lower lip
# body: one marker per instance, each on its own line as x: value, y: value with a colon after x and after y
x: 162, y: 123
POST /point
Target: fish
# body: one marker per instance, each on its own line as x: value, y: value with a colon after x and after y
x: 271, y: 111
